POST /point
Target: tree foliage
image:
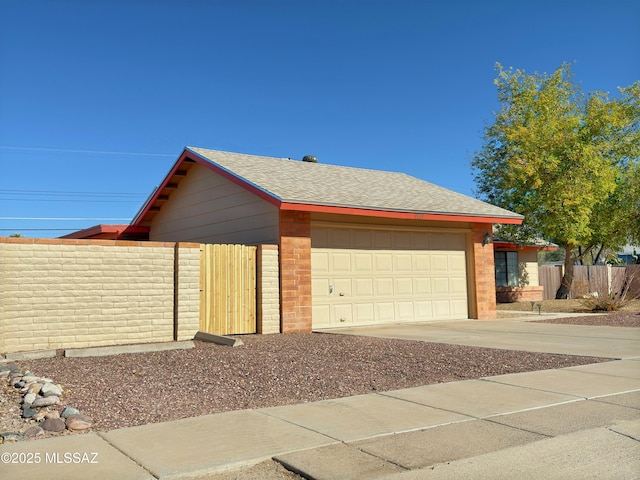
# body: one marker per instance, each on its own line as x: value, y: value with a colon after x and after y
x: 567, y: 161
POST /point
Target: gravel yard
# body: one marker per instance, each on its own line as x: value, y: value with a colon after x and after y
x: 134, y: 389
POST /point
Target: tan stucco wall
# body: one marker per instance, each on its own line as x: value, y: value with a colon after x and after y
x: 528, y: 268
x: 208, y: 208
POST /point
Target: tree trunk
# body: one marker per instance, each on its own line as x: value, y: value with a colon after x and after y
x: 567, y: 279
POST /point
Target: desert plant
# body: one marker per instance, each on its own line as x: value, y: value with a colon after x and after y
x: 620, y: 294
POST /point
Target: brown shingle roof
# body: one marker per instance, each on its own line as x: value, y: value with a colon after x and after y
x: 294, y: 181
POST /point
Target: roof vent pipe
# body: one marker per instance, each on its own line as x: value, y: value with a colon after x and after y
x: 310, y: 159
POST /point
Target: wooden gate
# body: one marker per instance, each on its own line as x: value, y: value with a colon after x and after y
x: 228, y: 289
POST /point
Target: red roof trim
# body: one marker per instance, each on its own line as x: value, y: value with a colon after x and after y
x: 102, y: 230
x: 515, y: 246
x: 399, y: 215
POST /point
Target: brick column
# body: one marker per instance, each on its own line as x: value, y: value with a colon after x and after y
x: 295, y: 271
x: 484, y: 300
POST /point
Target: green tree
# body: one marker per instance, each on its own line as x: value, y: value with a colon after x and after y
x: 566, y: 161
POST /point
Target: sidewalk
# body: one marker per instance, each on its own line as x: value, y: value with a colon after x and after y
x: 577, y: 422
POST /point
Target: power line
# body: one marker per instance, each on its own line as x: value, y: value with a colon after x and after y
x: 79, y: 199
x: 57, y: 219
x: 100, y: 152
x: 18, y: 230
x: 69, y: 193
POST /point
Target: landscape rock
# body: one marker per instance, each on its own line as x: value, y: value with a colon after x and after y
x: 39, y: 416
x: 35, y: 388
x: 34, y: 432
x: 45, y: 401
x: 78, y: 422
x: 49, y: 389
x: 10, y: 437
x: 29, y: 398
x: 53, y: 425
x: 28, y: 412
x: 52, y: 414
x: 67, y: 411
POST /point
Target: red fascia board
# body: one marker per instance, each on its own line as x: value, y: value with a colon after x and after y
x: 96, y: 230
x: 397, y: 215
x: 515, y: 246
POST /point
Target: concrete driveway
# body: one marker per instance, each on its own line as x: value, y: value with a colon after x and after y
x: 515, y: 334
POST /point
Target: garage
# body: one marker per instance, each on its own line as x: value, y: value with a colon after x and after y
x: 366, y: 276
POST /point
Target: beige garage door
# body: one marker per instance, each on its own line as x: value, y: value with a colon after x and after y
x: 364, y: 277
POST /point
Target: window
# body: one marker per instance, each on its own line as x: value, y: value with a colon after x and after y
x: 507, y: 269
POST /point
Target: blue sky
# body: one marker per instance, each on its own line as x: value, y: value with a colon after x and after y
x: 402, y: 85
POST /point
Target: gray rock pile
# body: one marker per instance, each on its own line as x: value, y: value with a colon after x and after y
x: 40, y: 405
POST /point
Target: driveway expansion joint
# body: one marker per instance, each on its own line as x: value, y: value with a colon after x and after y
x: 133, y: 460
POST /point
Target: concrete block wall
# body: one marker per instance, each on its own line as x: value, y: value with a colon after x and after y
x: 187, y: 293
x: 77, y: 293
x: 268, y: 289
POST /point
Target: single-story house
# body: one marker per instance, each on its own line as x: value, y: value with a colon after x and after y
x: 516, y: 268
x: 356, y: 246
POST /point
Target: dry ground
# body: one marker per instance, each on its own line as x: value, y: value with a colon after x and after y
x: 629, y: 316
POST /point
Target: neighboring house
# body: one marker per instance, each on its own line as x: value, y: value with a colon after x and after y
x: 629, y: 254
x: 516, y: 271
x: 356, y: 246
x: 111, y: 232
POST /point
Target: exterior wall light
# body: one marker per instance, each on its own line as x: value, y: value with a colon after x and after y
x: 486, y: 239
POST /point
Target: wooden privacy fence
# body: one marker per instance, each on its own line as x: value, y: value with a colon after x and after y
x: 589, y: 278
x: 228, y: 289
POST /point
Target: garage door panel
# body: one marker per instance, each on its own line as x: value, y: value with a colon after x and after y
x: 342, y: 287
x: 388, y: 277
x: 384, y: 287
x: 321, y: 315
x: 320, y: 288
x: 320, y: 262
x: 404, y: 312
x: 403, y: 263
x: 363, y: 287
x: 364, y: 313
x: 458, y: 285
x: 440, y: 262
x: 404, y: 286
x: 383, y: 262
x: 340, y: 262
x: 344, y: 313
x: 421, y: 262
x: 442, y: 308
x: 459, y: 308
x: 385, y: 312
x: 363, y: 262
x: 424, y: 310
x: 457, y: 263
x: 440, y: 285
x: 422, y: 286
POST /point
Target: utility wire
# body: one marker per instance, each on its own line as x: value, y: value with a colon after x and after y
x: 56, y: 219
x: 100, y: 152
